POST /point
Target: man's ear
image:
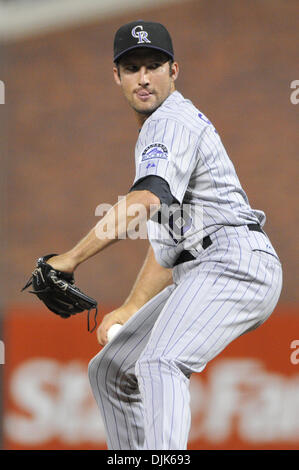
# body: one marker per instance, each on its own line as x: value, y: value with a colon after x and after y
x: 174, y: 70
x: 116, y: 75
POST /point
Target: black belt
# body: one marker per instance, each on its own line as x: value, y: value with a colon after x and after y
x: 206, y: 242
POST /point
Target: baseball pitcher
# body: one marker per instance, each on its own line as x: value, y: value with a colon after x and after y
x: 210, y: 275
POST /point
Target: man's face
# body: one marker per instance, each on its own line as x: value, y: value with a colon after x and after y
x: 146, y: 79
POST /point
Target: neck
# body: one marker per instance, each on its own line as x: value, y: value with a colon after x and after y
x: 141, y: 118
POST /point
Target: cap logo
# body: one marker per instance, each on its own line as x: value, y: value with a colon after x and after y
x: 140, y: 35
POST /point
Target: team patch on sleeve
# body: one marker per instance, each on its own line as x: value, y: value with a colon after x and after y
x: 155, y: 150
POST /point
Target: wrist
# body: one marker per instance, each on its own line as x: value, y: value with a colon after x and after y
x: 73, y: 259
x: 76, y: 256
x: 132, y: 306
x: 63, y: 262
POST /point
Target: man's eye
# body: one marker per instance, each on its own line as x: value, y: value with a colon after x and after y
x: 154, y: 65
x: 131, y: 68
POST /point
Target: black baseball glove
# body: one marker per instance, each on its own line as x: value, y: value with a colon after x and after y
x: 57, y: 290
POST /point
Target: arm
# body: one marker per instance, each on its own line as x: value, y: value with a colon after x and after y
x: 151, y: 280
x: 111, y: 228
x: 114, y: 225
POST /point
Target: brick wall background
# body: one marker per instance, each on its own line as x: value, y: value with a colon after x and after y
x: 68, y: 136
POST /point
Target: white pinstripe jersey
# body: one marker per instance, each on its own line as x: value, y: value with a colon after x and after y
x: 179, y: 144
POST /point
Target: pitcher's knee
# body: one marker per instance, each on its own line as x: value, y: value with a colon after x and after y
x: 93, y: 369
x: 109, y: 372
x: 100, y: 368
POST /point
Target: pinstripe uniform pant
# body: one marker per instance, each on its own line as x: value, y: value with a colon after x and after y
x: 140, y: 379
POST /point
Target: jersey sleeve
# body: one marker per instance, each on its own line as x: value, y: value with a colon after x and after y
x: 168, y: 149
x: 157, y: 186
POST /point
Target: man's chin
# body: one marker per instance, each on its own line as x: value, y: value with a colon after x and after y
x: 145, y: 110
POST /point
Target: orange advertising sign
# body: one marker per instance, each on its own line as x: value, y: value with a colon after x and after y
x: 246, y: 398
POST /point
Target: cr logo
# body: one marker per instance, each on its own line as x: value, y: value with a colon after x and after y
x: 140, y: 35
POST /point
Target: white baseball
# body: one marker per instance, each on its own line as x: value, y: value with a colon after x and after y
x: 113, y: 330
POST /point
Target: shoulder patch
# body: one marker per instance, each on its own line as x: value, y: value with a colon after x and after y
x: 155, y: 150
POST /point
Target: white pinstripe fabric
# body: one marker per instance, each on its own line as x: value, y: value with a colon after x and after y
x: 199, y: 172
x: 140, y: 380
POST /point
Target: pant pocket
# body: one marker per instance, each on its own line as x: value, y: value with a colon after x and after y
x: 266, y: 254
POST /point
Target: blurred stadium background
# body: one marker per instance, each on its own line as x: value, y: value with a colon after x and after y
x: 67, y: 140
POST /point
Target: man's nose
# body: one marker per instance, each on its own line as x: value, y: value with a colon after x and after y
x: 143, y: 76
